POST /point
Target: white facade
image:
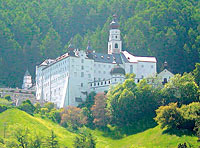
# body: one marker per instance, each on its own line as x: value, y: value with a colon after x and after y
x: 68, y: 79
x: 27, y: 81
x: 164, y: 76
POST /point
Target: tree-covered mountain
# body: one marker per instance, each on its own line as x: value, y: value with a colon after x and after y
x: 33, y: 30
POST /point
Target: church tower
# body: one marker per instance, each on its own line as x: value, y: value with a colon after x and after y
x: 114, y: 43
x: 27, y: 82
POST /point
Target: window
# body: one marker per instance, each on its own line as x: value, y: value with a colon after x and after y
x: 81, y: 84
x: 82, y: 74
x: 82, y: 61
x: 82, y: 67
x: 78, y: 99
x: 116, y: 45
x: 101, y: 83
x: 89, y: 75
x: 116, y: 36
x: 142, y: 66
x: 151, y: 66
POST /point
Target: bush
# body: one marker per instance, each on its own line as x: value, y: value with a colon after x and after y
x: 181, y: 89
x: 169, y: 116
x: 27, y: 106
x: 54, y: 115
x: 37, y: 108
x: 7, y: 97
x: 191, y: 114
x: 172, y: 117
x: 49, y: 106
x: 84, y: 140
x: 3, y: 108
x: 73, y: 117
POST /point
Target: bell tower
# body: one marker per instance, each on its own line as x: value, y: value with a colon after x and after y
x: 27, y: 82
x: 114, y: 43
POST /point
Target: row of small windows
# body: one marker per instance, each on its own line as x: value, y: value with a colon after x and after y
x: 99, y: 72
x: 100, y: 83
x: 100, y: 65
x: 55, y: 66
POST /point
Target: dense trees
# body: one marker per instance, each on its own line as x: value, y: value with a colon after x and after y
x: 181, y: 89
x: 31, y: 31
x: 173, y: 117
x: 129, y: 102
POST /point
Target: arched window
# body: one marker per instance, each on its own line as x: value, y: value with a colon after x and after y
x: 116, y: 45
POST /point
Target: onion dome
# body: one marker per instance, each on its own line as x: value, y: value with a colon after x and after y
x: 117, y: 70
x: 114, y: 24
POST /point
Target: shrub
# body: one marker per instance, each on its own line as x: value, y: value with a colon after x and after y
x: 27, y: 106
x: 54, y: 115
x: 169, y: 116
x: 49, y: 106
x: 3, y: 108
x: 84, y: 140
x: 73, y: 117
x: 7, y: 97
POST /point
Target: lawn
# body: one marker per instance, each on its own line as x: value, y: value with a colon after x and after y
x: 150, y: 138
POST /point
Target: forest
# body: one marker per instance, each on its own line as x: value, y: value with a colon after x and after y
x: 33, y: 30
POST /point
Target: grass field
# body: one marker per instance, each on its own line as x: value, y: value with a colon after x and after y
x: 150, y: 138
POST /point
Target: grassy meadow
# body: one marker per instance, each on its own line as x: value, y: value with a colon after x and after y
x: 150, y: 138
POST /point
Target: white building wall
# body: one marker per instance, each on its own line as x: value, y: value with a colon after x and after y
x: 145, y: 69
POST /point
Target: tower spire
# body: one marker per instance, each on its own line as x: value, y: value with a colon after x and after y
x: 114, y: 43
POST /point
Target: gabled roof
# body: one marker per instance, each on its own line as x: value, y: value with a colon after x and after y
x: 134, y: 59
x: 165, y: 71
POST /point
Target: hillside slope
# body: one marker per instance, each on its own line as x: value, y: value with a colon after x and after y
x: 150, y: 138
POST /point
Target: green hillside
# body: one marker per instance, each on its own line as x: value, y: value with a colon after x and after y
x: 150, y: 138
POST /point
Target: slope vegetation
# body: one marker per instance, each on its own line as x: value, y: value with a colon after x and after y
x: 150, y: 138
